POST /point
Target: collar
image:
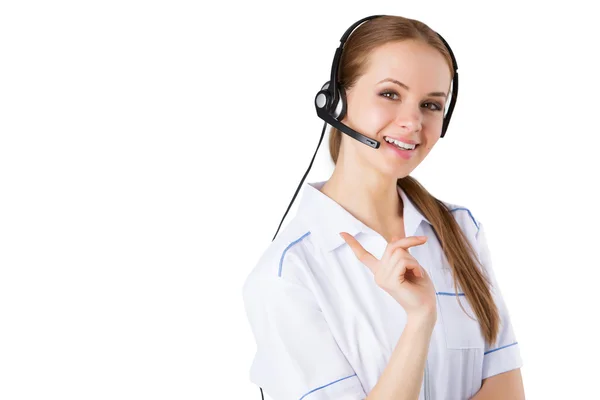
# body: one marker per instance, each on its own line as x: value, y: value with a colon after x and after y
x: 326, y: 218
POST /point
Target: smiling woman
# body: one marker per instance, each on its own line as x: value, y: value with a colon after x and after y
x: 377, y: 289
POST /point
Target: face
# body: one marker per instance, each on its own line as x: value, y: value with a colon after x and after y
x: 410, y: 109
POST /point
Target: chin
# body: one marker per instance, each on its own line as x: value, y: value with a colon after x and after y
x: 397, y: 172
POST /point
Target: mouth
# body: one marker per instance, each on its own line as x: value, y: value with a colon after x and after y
x: 401, y: 145
x: 404, y: 153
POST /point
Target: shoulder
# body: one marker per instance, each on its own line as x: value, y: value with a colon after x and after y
x: 466, y: 217
x: 286, y: 258
x: 473, y: 228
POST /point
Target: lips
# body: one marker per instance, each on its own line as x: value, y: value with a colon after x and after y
x: 401, y: 139
x: 395, y: 145
x: 405, y: 154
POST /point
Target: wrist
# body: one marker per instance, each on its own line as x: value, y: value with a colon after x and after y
x: 423, y: 320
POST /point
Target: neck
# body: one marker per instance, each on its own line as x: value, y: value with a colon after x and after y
x: 373, y: 200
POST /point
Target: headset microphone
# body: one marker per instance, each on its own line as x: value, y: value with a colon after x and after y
x: 330, y: 103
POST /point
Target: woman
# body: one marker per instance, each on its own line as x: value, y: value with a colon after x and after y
x: 376, y: 289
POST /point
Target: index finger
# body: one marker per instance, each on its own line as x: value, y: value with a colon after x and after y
x: 363, y: 255
x: 404, y: 243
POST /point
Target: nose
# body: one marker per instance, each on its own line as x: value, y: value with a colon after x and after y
x: 409, y: 118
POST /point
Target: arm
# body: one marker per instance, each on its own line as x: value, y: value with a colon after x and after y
x: 502, y: 360
x: 402, y: 377
x: 297, y: 355
x: 507, y: 385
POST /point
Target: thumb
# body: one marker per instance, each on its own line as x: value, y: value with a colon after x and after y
x: 363, y: 255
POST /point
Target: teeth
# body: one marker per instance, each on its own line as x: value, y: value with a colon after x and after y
x: 400, y: 144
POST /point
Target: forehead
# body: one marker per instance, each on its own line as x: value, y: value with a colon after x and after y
x: 412, y: 62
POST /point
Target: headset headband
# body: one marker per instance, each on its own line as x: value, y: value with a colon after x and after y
x: 338, y: 55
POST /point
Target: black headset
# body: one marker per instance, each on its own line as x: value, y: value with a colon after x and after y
x: 330, y: 103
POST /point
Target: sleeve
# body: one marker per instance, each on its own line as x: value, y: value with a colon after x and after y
x: 504, y: 355
x: 297, y: 356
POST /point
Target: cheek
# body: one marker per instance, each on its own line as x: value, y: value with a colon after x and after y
x: 380, y: 116
x: 369, y: 115
x: 431, y: 141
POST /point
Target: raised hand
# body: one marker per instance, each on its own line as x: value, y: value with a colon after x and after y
x: 400, y: 275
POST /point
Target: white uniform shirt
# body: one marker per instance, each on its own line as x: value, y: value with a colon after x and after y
x: 325, y: 330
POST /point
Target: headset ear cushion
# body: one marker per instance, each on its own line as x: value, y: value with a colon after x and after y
x: 324, y: 97
x: 340, y: 109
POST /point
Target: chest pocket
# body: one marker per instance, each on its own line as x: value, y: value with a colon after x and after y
x: 461, y: 330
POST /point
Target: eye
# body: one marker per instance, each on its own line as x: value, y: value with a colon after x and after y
x: 388, y: 92
x: 436, y: 106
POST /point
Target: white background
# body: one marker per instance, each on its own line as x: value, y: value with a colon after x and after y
x: 149, y: 149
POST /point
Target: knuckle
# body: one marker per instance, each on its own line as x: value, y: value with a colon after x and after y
x: 402, y: 262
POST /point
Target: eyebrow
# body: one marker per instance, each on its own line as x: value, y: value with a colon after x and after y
x: 434, y: 94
